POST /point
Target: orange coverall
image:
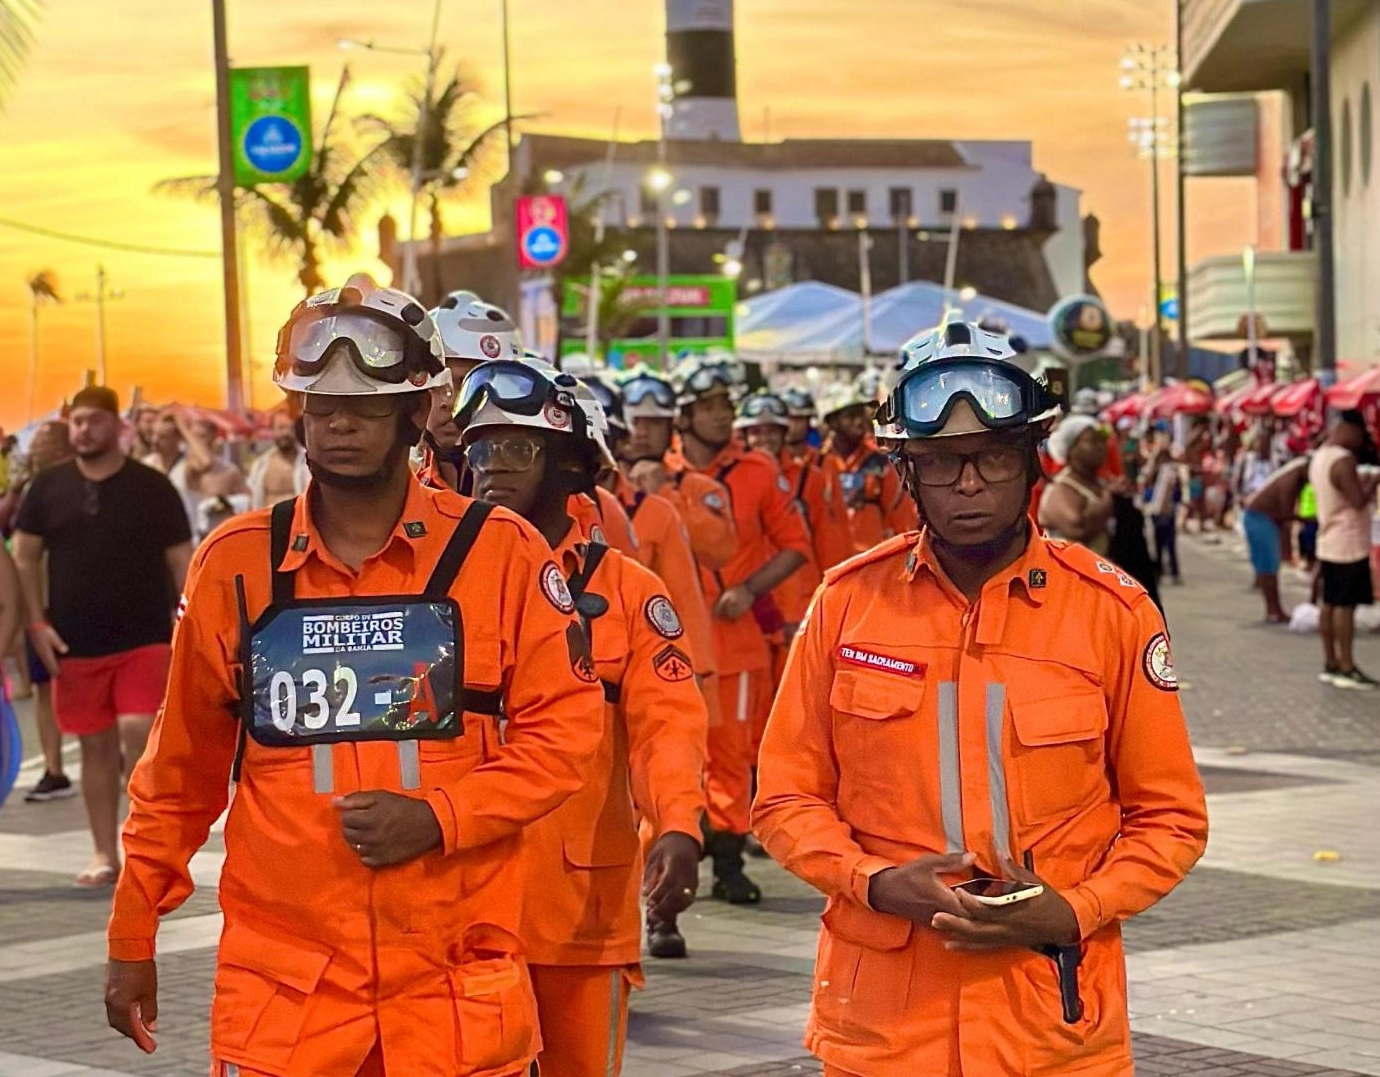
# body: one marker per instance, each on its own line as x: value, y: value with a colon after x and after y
x: 878, y: 507
x: 767, y: 522
x: 822, y: 501
x: 583, y: 929
x: 1042, y: 718
x: 322, y: 958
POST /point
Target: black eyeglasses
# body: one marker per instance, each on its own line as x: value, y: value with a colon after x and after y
x: 364, y: 406
x: 1000, y: 463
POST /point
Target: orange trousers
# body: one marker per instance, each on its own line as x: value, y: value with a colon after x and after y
x: 745, y: 700
x: 372, y: 1067
x: 583, y: 1013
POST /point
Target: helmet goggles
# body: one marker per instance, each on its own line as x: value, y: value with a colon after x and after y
x: 517, y: 388
x: 762, y: 409
x: 379, y: 349
x: 643, y: 387
x: 705, y: 378
x: 1001, y: 395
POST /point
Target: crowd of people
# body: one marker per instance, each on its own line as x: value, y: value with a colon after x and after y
x: 493, y: 653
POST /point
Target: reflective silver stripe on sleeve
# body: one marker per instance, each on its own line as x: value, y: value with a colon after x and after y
x: 743, y: 696
x: 996, y: 770
x: 322, y: 769
x: 231, y: 1070
x: 410, y: 764
x: 950, y: 778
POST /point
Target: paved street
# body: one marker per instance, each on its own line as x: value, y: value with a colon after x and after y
x: 1266, y: 961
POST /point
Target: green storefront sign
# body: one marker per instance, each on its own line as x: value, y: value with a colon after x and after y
x: 270, y: 123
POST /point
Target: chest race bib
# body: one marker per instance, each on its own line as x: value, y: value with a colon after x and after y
x: 367, y: 669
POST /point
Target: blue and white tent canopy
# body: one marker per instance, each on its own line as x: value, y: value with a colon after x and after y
x: 812, y: 323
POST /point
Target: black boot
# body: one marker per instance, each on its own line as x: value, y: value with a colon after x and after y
x: 730, y: 884
x: 754, y: 849
x: 664, y: 939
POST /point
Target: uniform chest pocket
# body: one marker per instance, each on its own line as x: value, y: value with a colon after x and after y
x: 875, y: 695
x: 1059, y: 747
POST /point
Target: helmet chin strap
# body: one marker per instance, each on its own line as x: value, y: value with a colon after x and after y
x: 455, y: 455
x: 373, y: 480
x: 982, y: 551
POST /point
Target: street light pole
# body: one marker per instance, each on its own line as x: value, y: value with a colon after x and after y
x: 411, y: 283
x: 99, y: 297
x: 665, y: 104
x: 1325, y: 334
x: 507, y: 86
x: 1181, y: 183
x: 225, y: 186
x: 1147, y: 68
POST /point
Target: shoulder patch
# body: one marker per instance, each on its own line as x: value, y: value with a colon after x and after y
x: 713, y: 501
x: 553, y: 586
x: 1095, y: 569
x: 662, y: 616
x: 783, y: 484
x: 897, y: 547
x: 1158, y: 664
x: 672, y: 664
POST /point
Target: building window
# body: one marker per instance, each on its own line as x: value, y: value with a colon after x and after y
x: 1366, y: 135
x: 1347, y: 149
x: 827, y: 206
x: 857, y: 203
x: 900, y: 204
x: 709, y: 205
x: 761, y: 202
x: 948, y: 201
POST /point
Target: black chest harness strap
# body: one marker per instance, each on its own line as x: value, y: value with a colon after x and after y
x: 443, y: 576
x: 592, y: 607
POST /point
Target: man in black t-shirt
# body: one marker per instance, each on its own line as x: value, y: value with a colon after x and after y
x: 118, y: 546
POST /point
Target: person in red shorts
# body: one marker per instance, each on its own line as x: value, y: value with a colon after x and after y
x: 118, y: 546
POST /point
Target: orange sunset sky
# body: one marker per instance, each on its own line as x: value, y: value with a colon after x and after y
x: 119, y: 94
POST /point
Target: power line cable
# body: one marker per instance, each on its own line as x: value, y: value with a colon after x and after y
x: 107, y: 244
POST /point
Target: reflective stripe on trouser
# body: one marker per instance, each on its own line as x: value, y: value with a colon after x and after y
x: 728, y: 774
x: 372, y: 1068
x: 583, y: 1014
x: 951, y: 772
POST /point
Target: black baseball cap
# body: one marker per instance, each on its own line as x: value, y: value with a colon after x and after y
x: 97, y: 396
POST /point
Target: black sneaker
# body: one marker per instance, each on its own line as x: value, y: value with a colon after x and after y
x: 1355, y: 680
x: 1329, y: 674
x: 50, y: 787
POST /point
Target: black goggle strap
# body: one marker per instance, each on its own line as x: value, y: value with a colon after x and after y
x: 478, y: 700
x: 592, y: 607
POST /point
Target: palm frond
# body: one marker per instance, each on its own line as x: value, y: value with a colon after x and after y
x: 44, y: 287
x: 17, y: 19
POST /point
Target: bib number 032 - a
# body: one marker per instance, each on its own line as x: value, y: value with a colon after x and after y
x: 285, y: 701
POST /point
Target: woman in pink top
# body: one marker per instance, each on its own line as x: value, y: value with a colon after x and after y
x: 1345, y: 506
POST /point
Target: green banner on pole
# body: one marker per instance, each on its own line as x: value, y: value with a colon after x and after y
x: 270, y: 123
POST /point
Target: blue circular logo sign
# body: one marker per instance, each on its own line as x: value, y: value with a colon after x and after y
x: 543, y: 245
x: 272, y: 144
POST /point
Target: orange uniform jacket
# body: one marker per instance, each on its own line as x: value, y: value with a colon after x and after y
x: 320, y: 955
x: 584, y: 863
x: 767, y: 522
x: 816, y: 487
x: 704, y: 507
x: 663, y: 545
x: 617, y: 528
x: 878, y: 507
x: 1043, y: 718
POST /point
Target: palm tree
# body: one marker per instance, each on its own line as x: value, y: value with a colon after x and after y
x: 43, y: 288
x: 16, y: 34
x: 456, y: 150
x: 312, y: 216
x: 619, y: 311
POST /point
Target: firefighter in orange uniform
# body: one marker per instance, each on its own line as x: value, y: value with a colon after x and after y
x: 535, y: 437
x: 815, y: 479
x: 977, y: 702
x: 877, y: 505
x: 344, y: 659
x: 772, y: 544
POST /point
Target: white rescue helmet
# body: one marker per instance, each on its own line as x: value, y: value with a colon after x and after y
x: 475, y: 330
x: 353, y: 342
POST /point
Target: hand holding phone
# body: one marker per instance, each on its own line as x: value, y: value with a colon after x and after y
x: 995, y: 892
